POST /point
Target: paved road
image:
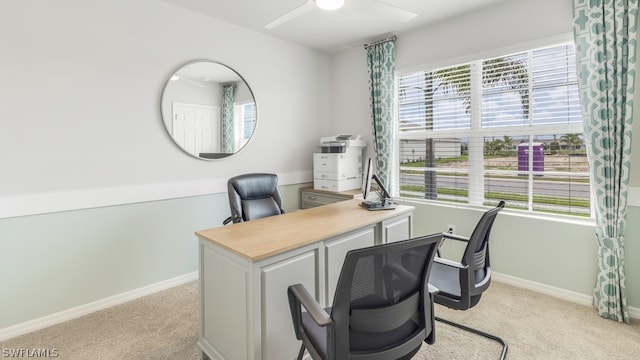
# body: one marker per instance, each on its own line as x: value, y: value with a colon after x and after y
x: 540, y: 187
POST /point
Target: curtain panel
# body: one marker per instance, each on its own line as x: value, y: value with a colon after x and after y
x: 227, y: 118
x: 605, y: 37
x: 381, y: 66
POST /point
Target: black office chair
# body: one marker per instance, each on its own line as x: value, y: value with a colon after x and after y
x: 253, y: 196
x: 382, y: 308
x: 461, y: 284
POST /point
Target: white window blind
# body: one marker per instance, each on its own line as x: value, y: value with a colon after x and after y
x: 245, y: 116
x: 504, y: 128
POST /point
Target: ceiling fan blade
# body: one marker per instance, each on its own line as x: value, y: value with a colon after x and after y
x: 383, y: 10
x: 300, y: 10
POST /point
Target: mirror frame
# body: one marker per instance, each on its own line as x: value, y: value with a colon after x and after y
x: 221, y: 155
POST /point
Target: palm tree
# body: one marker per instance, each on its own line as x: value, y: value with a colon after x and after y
x: 497, y: 145
x: 508, y: 142
x: 572, y: 141
x: 554, y: 146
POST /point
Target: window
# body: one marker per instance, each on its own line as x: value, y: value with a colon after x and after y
x: 245, y: 121
x: 505, y: 128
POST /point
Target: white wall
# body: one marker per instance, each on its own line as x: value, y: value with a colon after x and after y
x: 553, y: 254
x: 81, y: 83
x: 80, y: 87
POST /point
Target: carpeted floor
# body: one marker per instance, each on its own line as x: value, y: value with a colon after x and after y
x: 165, y: 326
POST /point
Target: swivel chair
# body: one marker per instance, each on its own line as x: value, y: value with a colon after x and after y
x: 461, y: 284
x: 382, y: 308
x: 253, y: 196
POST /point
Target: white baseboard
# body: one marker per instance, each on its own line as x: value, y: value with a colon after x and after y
x: 556, y: 292
x: 57, y: 318
x: 66, y: 315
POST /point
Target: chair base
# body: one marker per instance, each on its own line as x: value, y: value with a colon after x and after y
x: 505, y: 347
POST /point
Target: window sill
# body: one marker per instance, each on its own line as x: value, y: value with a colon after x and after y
x: 575, y: 220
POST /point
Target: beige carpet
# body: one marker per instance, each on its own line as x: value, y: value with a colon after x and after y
x: 165, y: 326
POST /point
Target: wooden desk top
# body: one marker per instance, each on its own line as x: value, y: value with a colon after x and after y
x: 262, y: 238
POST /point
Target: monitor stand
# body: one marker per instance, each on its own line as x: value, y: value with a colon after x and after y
x: 377, y: 205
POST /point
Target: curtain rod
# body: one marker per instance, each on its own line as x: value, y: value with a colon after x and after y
x: 390, y: 38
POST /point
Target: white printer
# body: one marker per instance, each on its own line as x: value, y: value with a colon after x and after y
x: 337, y: 166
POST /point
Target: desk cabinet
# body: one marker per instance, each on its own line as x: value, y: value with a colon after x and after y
x: 310, y: 197
x: 276, y: 330
x: 243, y: 300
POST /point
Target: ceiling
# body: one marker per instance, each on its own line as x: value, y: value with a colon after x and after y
x: 358, y: 22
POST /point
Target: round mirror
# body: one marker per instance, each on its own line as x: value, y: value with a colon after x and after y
x: 208, y: 110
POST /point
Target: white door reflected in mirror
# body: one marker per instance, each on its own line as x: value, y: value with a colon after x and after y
x: 208, y: 110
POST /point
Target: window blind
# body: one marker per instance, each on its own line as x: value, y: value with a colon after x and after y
x: 502, y: 128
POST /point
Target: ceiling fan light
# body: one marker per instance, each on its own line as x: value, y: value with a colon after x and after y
x: 330, y: 4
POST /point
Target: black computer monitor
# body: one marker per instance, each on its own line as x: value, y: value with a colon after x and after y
x: 383, y: 201
x: 368, y: 175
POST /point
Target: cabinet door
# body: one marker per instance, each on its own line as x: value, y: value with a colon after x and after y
x: 224, y: 306
x: 278, y: 339
x: 336, y: 251
x: 396, y: 229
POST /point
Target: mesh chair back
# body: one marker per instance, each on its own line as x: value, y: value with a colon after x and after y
x: 254, y: 196
x: 382, y: 308
x: 476, y: 254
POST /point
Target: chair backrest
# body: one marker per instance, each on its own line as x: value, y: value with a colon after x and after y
x: 476, y: 254
x: 382, y: 307
x: 254, y: 196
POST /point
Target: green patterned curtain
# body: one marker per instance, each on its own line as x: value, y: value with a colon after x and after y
x: 381, y: 64
x: 605, y: 37
x: 227, y: 118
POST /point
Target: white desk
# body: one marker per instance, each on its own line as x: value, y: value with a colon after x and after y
x: 245, y: 270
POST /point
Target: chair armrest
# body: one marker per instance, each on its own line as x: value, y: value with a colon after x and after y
x: 298, y: 295
x: 231, y: 218
x: 433, y: 289
x: 447, y: 235
x: 450, y: 263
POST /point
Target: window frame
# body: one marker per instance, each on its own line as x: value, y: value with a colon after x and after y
x: 483, y: 132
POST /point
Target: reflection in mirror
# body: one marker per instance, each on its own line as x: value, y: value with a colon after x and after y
x: 208, y: 110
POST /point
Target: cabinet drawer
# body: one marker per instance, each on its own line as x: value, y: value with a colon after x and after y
x: 309, y: 205
x: 323, y: 175
x: 343, y: 165
x: 337, y: 185
x: 321, y: 199
x: 326, y: 162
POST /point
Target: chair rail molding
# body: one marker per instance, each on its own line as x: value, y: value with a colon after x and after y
x: 50, y: 202
x: 634, y: 196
